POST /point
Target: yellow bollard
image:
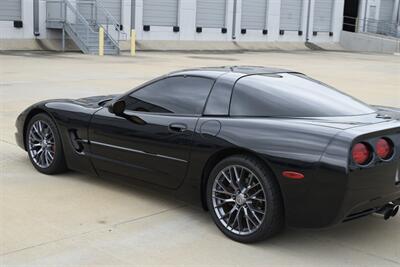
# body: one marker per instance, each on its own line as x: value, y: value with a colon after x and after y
x: 101, y: 41
x: 133, y: 43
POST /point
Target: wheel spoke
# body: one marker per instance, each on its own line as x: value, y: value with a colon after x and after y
x: 246, y: 217
x: 236, y: 219
x: 256, y: 210
x: 223, y: 192
x: 36, y: 145
x: 41, y: 158
x: 256, y: 193
x: 251, y: 220
x: 33, y: 137
x: 239, y: 220
x: 38, y: 152
x: 230, y: 181
x: 255, y: 216
x: 223, y: 201
x: 258, y: 199
x: 222, y: 187
x: 51, y: 154
x: 236, y: 174
x: 36, y: 131
x: 250, y: 187
x: 40, y: 126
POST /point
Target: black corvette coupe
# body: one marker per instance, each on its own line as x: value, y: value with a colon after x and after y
x: 257, y: 147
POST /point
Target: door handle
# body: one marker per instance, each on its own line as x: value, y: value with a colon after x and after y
x: 178, y: 127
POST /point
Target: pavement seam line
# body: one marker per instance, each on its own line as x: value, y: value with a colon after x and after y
x: 332, y: 241
x: 91, y: 231
x: 7, y: 142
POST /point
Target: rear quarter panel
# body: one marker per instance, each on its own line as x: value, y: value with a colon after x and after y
x: 281, y: 144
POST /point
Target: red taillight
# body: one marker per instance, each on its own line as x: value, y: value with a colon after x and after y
x: 384, y: 148
x: 361, y: 153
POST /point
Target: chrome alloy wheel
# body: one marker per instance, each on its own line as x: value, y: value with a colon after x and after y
x: 41, y: 144
x: 239, y: 200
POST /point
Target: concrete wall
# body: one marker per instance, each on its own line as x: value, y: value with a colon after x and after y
x: 369, y: 43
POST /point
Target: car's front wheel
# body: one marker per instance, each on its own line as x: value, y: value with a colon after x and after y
x: 44, y: 145
x: 244, y: 199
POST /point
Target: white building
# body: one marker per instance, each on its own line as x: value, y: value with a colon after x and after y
x: 34, y: 23
x: 379, y: 16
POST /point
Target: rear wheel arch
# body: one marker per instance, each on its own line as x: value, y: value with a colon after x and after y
x: 219, y: 156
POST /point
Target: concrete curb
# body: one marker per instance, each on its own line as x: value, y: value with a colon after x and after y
x: 173, y: 46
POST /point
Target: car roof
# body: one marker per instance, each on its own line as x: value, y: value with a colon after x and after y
x: 215, y: 72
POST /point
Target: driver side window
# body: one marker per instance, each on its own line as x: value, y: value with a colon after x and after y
x: 180, y: 95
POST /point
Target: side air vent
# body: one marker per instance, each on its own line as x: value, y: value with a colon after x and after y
x: 76, y: 141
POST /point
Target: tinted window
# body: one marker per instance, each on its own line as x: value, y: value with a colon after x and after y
x: 291, y: 95
x: 180, y: 95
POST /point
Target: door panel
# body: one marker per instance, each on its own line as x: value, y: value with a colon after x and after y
x: 155, y: 149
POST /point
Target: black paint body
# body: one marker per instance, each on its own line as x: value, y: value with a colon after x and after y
x: 333, y: 190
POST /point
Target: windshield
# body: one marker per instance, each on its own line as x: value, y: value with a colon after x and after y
x: 291, y: 95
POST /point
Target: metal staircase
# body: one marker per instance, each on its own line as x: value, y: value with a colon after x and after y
x: 81, y: 21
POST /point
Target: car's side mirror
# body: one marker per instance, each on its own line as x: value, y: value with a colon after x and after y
x: 117, y: 107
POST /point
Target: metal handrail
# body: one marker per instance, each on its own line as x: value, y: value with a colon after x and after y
x: 375, y: 26
x: 115, y: 23
x: 82, y: 18
x: 110, y: 19
x: 87, y: 23
x: 96, y: 6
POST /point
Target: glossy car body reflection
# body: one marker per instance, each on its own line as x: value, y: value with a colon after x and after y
x: 176, y: 152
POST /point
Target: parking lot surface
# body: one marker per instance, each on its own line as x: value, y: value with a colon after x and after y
x: 76, y: 219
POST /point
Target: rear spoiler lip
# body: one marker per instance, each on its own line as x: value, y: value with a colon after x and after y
x: 389, y: 126
x: 378, y: 107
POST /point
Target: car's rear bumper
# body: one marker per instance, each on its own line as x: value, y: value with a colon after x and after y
x: 336, y: 194
x: 368, y: 207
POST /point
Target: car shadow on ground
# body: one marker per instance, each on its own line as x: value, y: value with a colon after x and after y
x: 358, y: 229
x: 361, y: 236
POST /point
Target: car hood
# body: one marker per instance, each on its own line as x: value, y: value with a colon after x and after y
x: 382, y: 115
x: 94, y: 101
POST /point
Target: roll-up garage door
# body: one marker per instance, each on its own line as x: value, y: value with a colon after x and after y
x: 160, y: 12
x: 385, y: 25
x: 10, y: 9
x: 323, y: 14
x: 291, y: 11
x: 210, y: 13
x: 89, y: 11
x: 254, y: 14
x: 386, y: 10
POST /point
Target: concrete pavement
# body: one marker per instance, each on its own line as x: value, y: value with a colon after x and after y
x: 75, y: 219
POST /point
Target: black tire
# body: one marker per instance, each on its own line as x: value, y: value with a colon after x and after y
x: 58, y: 164
x: 273, y: 218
